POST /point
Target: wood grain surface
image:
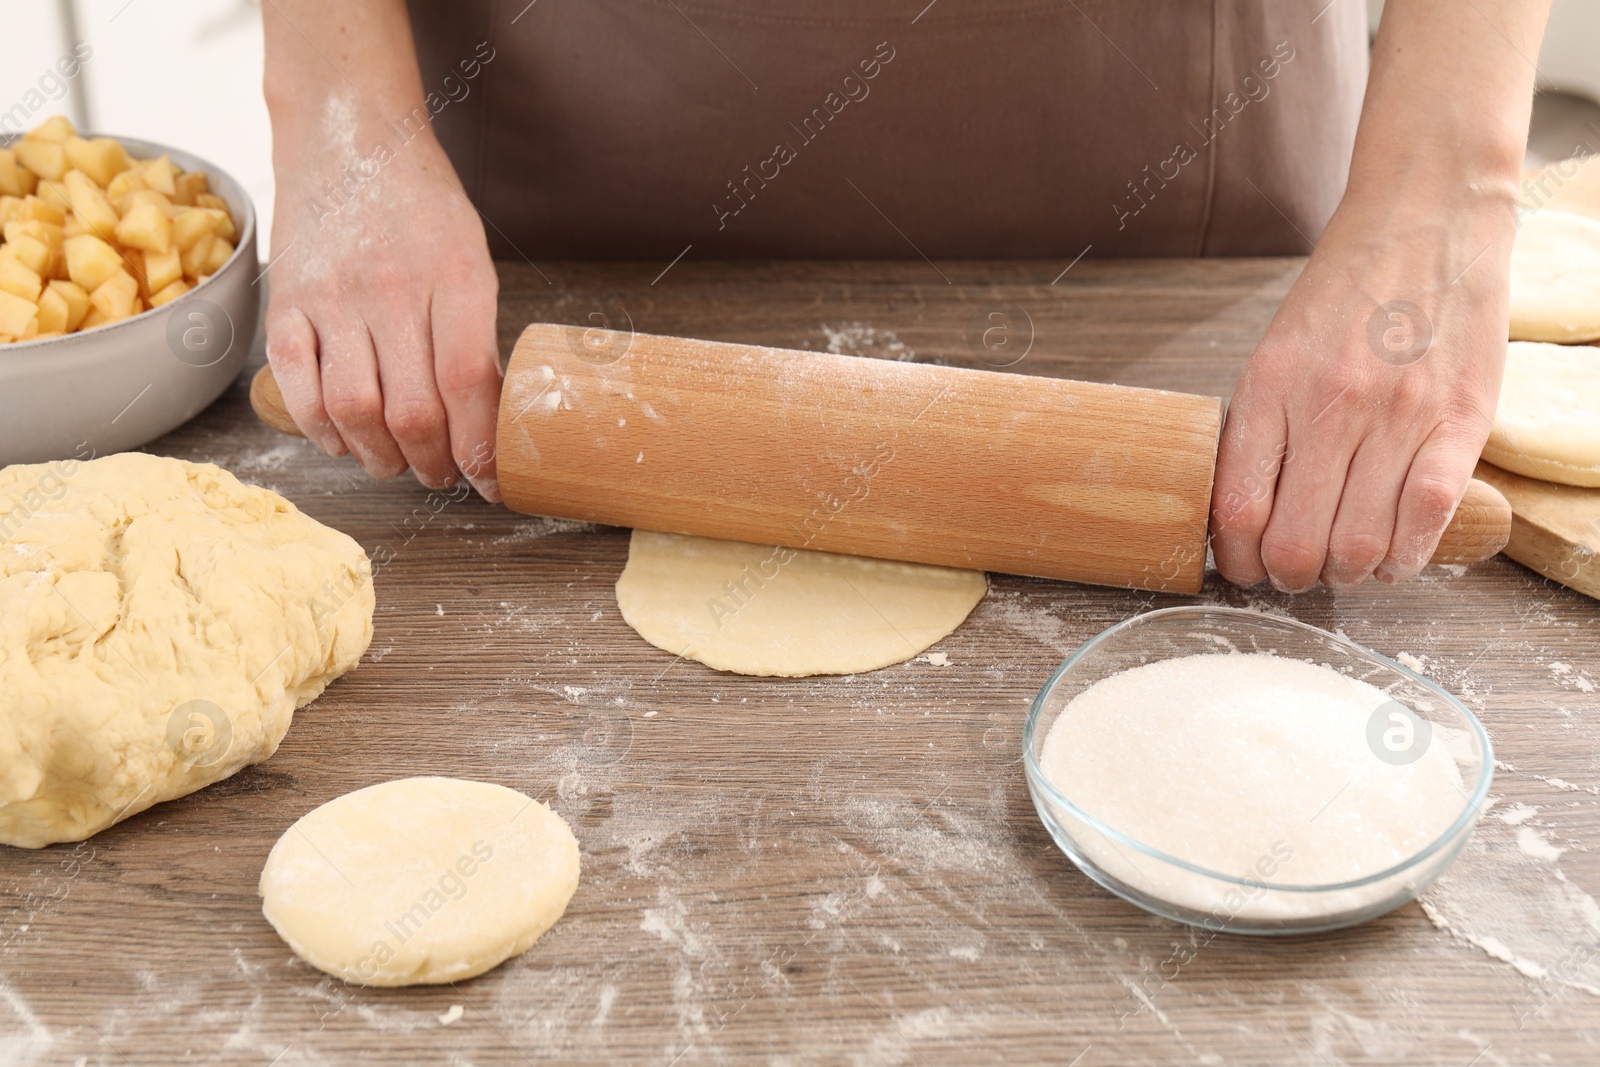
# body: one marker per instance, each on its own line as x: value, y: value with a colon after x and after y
x: 837, y: 870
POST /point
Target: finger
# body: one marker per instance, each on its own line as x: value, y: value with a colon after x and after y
x: 1364, y: 523
x: 1248, y: 464
x: 354, y: 398
x: 467, y: 368
x: 292, y: 352
x: 412, y: 411
x: 1434, y: 486
x: 1294, y: 545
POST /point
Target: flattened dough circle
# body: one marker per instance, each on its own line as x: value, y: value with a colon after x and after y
x: 419, y: 880
x: 1547, y: 424
x: 757, y: 609
x: 1555, y: 278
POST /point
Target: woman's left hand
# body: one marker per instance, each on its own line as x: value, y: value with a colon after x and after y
x: 1358, y: 420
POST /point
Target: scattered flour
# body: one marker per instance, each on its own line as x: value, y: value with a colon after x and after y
x: 1565, y: 673
x: 277, y: 457
x: 454, y: 1014
x: 1562, y: 783
x: 1020, y: 614
x: 1507, y: 896
x: 860, y: 339
x: 1410, y: 662
x: 543, y: 526
x: 339, y: 122
x: 1517, y: 814
x: 24, y: 1038
x: 1532, y: 843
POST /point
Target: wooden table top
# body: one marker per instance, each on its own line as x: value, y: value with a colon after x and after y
x: 823, y: 870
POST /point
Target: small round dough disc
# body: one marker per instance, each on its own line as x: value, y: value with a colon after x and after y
x: 419, y: 880
x: 1547, y: 424
x: 757, y: 609
x: 1555, y: 278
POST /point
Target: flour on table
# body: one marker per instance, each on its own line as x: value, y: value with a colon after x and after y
x: 1410, y: 662
x: 861, y: 339
x: 1507, y: 896
x: 1533, y: 843
x: 541, y: 526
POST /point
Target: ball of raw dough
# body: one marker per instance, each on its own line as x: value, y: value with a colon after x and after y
x: 159, y: 624
x: 1547, y: 422
x: 419, y: 881
x: 1555, y: 278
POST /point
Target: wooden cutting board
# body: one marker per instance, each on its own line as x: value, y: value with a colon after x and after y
x: 1555, y: 529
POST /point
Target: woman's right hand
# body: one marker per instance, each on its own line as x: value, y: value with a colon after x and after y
x: 381, y: 320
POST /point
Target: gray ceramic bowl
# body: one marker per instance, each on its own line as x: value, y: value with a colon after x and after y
x: 115, y: 387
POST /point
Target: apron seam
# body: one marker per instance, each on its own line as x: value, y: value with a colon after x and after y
x: 1208, y: 205
x: 479, y: 182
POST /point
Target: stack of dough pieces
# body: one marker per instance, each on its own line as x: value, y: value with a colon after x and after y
x: 1547, y: 424
x: 1555, y: 278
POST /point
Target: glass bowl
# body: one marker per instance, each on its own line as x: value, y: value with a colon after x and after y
x: 1177, y: 889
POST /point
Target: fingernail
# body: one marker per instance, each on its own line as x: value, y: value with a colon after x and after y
x: 1384, y: 575
x: 489, y: 489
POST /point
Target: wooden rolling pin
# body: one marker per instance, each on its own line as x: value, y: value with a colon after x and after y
x: 1004, y: 472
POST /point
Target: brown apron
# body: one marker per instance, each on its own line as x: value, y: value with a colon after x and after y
x: 601, y: 129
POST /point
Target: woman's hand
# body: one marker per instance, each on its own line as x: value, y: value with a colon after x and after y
x: 381, y: 321
x: 1357, y: 422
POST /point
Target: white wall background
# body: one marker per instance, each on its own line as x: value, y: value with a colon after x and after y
x: 1570, y: 58
x: 1566, y: 113
x: 188, y: 73
x: 181, y: 72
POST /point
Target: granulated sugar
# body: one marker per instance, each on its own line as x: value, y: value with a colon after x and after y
x: 1252, y: 766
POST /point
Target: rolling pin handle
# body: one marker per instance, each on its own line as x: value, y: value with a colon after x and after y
x: 1480, y: 528
x: 267, y: 400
